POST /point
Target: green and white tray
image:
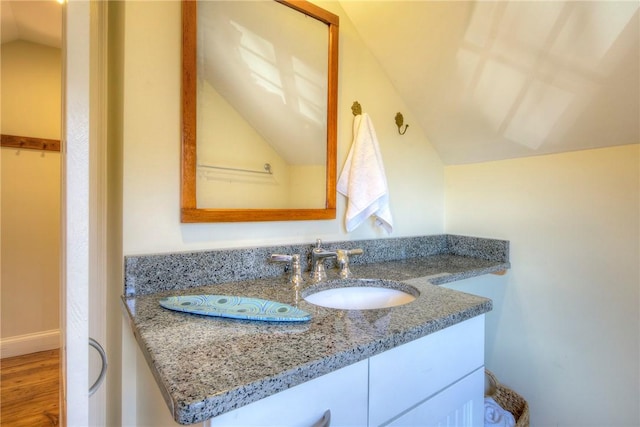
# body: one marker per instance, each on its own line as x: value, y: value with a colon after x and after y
x: 235, y: 307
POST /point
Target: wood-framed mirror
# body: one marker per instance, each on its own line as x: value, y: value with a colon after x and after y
x: 259, y: 111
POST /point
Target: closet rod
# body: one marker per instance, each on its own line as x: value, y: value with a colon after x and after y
x: 27, y: 142
x: 267, y: 169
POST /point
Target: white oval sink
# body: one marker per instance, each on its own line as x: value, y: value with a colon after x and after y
x: 360, y: 294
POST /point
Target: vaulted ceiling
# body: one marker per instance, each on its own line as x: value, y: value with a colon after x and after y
x: 30, y: 20
x: 486, y: 80
x: 495, y: 80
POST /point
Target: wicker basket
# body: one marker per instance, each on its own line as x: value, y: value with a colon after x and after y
x: 509, y: 400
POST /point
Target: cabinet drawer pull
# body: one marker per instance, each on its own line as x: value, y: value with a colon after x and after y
x: 325, y: 421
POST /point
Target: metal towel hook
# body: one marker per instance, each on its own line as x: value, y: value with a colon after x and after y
x: 356, y: 108
x: 103, y: 370
x: 400, y: 122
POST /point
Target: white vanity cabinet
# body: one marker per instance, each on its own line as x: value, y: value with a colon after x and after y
x: 343, y: 392
x: 459, y: 405
x: 437, y: 380
x: 412, y: 384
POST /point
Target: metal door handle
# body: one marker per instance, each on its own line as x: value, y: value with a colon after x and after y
x: 103, y: 370
x: 324, y: 421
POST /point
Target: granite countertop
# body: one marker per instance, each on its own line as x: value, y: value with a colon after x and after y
x: 206, y: 366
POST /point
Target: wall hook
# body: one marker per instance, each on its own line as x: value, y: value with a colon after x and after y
x: 400, y: 122
x: 356, y: 109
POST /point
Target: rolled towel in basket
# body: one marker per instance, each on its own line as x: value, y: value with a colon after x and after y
x: 495, y: 416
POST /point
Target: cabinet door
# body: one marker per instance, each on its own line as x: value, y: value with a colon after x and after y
x: 409, y: 374
x: 343, y: 392
x: 460, y: 405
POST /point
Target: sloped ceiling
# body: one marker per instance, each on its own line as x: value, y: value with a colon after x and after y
x: 30, y: 20
x: 486, y: 80
x: 497, y: 80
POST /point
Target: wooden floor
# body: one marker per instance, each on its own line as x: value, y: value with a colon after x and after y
x: 29, y: 390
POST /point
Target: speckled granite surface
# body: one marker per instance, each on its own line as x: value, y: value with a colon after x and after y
x: 147, y: 274
x: 206, y: 366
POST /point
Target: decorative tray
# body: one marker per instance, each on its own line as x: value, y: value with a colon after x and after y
x: 235, y: 307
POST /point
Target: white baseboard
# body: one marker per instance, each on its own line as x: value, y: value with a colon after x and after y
x: 29, y: 343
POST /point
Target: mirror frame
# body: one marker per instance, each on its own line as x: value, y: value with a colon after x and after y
x: 189, y: 210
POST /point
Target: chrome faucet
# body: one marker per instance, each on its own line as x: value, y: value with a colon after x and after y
x: 295, y: 277
x: 342, y: 256
x: 318, y: 255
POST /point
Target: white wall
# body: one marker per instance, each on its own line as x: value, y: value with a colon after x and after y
x: 565, y: 330
x: 152, y: 147
x: 30, y: 200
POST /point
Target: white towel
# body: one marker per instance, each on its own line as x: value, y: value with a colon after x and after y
x: 363, y: 179
x: 495, y: 416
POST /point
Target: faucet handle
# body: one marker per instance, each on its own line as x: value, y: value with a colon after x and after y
x: 357, y: 251
x: 295, y: 276
x: 343, y: 260
x: 282, y: 257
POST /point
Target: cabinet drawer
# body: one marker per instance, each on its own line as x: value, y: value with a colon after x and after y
x: 409, y: 374
x: 459, y: 405
x: 344, y: 392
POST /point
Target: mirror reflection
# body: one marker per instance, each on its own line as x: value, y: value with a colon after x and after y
x: 265, y: 90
